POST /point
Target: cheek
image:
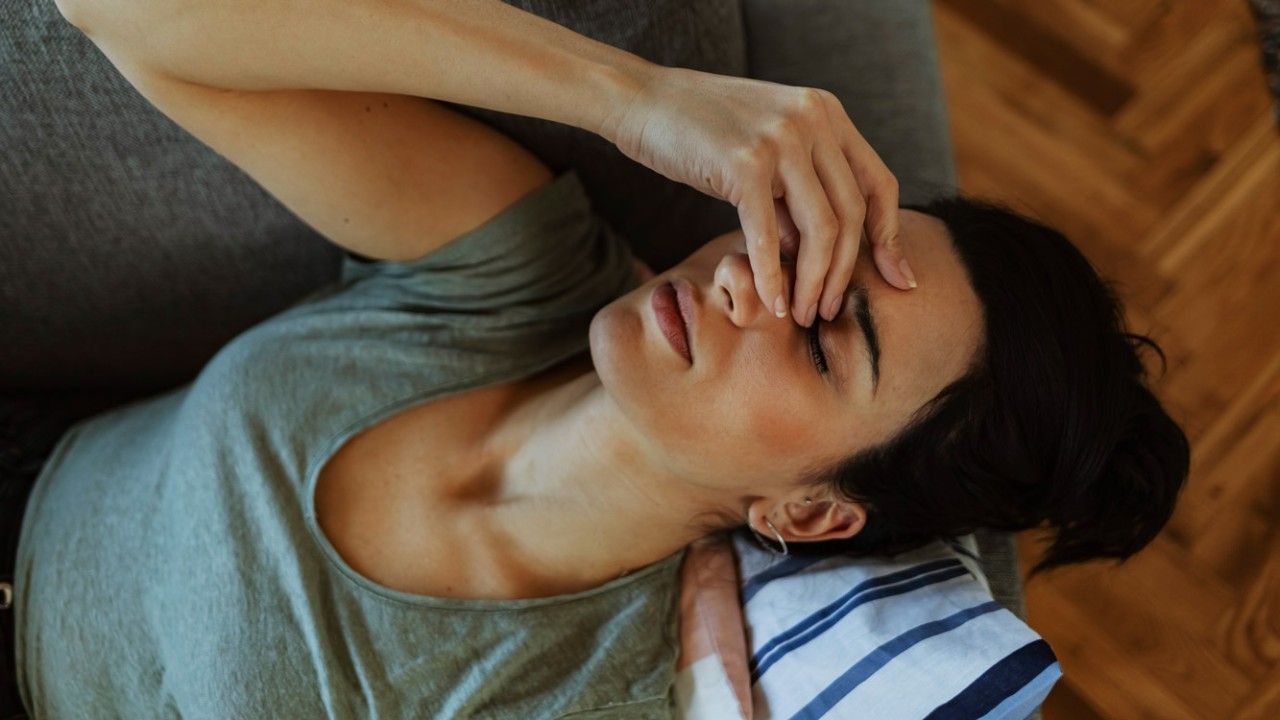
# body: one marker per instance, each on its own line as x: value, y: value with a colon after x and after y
x: 775, y: 412
x: 767, y: 419
x: 757, y: 416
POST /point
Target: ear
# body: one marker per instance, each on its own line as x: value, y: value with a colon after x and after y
x: 823, y: 519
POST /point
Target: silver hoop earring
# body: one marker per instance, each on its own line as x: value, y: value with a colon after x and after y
x: 764, y: 543
x: 778, y: 535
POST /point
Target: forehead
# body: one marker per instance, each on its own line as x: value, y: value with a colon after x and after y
x: 929, y: 334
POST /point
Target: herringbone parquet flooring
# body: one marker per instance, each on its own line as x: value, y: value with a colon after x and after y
x: 1143, y: 130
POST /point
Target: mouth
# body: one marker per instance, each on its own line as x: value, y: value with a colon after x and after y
x: 673, y: 310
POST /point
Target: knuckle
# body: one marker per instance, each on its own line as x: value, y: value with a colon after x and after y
x: 751, y: 153
x: 755, y: 160
x: 745, y: 159
x: 811, y: 99
x: 804, y: 109
x: 826, y: 226
x: 850, y: 235
x: 784, y: 135
x: 842, y: 268
x: 833, y: 104
x: 760, y: 243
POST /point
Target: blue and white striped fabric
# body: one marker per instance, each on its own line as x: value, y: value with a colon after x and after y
x: 916, y: 636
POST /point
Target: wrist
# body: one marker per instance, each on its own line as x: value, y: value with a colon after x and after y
x: 618, y: 88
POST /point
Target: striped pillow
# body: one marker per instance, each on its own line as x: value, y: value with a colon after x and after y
x: 915, y: 636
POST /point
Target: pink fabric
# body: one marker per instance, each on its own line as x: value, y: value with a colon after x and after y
x: 711, y: 620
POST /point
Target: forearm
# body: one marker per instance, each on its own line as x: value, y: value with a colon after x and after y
x: 480, y: 53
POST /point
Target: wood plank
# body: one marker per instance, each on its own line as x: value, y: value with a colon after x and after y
x: 1186, y: 144
x: 1252, y: 631
x: 1174, y: 658
x: 1164, y: 63
x: 1025, y: 91
x: 1259, y: 180
x: 1084, y: 27
x: 1064, y: 703
x: 1236, y: 549
x: 1226, y: 263
x: 1102, y: 671
x: 1221, y: 97
x: 1214, y: 485
x: 1266, y: 704
x: 1037, y: 170
x: 1077, y: 73
x: 1169, y: 49
x: 1135, y: 16
x: 1219, y: 179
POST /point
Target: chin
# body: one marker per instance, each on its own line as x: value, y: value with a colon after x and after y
x: 623, y: 352
x: 614, y: 334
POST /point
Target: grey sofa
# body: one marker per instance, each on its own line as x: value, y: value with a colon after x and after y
x: 130, y: 253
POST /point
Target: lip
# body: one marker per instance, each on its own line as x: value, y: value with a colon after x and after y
x: 674, y: 312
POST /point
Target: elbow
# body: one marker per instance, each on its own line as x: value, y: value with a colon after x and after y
x: 142, y: 31
x: 86, y: 15
x: 122, y: 17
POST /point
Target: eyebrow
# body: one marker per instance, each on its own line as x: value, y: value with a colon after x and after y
x: 866, y: 321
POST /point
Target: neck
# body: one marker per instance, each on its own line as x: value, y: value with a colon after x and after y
x: 581, y: 495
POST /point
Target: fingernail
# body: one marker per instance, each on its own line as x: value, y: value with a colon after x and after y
x: 809, y: 314
x: 830, y: 309
x: 780, y: 307
x: 906, y: 270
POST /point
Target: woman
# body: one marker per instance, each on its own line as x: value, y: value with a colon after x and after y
x: 413, y: 494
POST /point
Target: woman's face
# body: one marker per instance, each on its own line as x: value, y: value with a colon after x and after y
x: 752, y: 411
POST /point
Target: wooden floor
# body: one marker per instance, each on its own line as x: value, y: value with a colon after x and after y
x: 1142, y: 129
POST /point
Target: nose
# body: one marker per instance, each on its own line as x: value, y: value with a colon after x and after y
x: 735, y: 289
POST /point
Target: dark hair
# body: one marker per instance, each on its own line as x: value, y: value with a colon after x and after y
x: 1053, y: 424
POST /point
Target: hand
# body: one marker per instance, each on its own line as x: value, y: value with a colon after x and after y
x: 776, y: 153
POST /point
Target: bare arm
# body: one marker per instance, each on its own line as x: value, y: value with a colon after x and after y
x: 390, y: 177
x: 480, y: 53
x: 386, y: 175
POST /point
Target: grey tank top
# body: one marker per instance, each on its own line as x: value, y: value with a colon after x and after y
x: 171, y: 565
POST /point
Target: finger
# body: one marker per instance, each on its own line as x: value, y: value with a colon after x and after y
x: 819, y: 224
x: 759, y: 225
x: 892, y: 258
x: 881, y: 224
x: 850, y: 209
x: 836, y: 284
x: 788, y: 233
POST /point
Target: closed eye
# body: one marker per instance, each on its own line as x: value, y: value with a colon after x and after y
x: 815, y: 347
